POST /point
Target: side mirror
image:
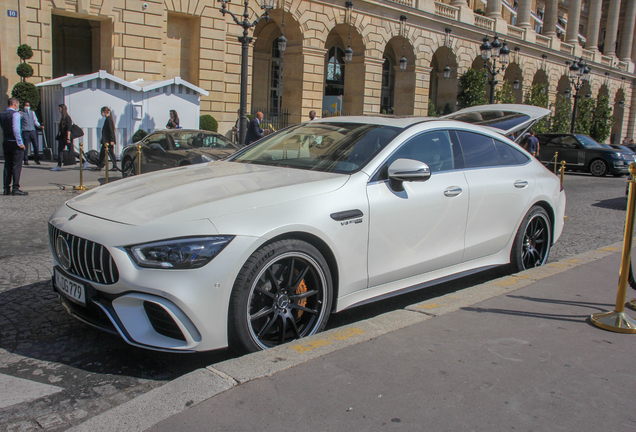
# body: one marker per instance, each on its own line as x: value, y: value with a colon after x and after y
x: 403, y: 170
x: 156, y: 147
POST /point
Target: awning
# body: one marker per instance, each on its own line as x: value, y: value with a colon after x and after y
x: 509, y: 7
x: 537, y: 18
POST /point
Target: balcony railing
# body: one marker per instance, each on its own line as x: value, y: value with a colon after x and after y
x: 544, y: 41
x: 516, y: 32
x: 588, y: 55
x: 622, y: 66
x: 484, y: 22
x: 404, y: 2
x: 567, y: 48
x: 446, y: 11
x: 606, y: 60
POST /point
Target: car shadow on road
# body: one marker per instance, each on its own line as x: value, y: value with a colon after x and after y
x: 619, y: 203
x: 35, y: 325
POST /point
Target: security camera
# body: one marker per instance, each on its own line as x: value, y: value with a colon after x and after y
x: 145, y: 6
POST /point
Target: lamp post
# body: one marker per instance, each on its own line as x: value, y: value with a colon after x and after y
x: 494, y: 51
x: 282, y: 45
x: 245, y: 23
x: 579, y: 74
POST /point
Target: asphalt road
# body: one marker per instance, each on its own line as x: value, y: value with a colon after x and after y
x: 94, y: 371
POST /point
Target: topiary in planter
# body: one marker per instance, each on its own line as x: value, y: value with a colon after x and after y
x: 25, y: 91
x: 209, y: 123
x: 24, y: 70
x: 139, y: 135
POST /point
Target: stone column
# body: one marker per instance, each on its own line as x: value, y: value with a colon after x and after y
x: 612, y: 27
x: 313, y: 79
x: 634, y: 49
x: 593, y: 24
x: 371, y: 88
x: 627, y: 32
x: 458, y: 3
x: 574, y: 17
x: 523, y: 15
x: 493, y: 10
x: 550, y: 18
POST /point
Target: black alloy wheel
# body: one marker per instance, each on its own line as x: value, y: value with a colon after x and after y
x: 532, y: 242
x: 128, y: 168
x: 598, y: 168
x: 283, y: 293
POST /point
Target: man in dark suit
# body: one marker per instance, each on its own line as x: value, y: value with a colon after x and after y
x: 11, y: 123
x: 254, y: 131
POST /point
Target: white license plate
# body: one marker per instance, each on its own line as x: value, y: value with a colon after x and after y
x: 70, y: 288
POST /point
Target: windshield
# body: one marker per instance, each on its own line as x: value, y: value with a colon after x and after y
x: 329, y: 147
x: 197, y: 139
x: 504, y: 120
x: 588, y: 142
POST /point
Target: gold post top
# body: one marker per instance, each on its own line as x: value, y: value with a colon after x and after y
x: 562, y: 163
x: 632, y: 169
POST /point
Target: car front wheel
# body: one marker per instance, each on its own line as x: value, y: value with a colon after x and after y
x: 128, y: 168
x: 282, y: 293
x: 598, y: 168
x: 531, y: 246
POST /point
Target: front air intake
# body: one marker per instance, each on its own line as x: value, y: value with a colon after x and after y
x: 162, y: 322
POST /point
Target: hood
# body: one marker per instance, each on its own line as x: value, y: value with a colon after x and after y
x: 201, y: 191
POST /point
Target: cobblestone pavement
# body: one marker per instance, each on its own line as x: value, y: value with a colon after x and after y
x: 40, y: 342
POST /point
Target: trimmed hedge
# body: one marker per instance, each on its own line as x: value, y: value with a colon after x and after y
x: 209, y: 123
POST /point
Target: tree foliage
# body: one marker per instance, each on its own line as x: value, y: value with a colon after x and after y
x: 25, y: 52
x: 537, y: 95
x: 432, y: 112
x: 473, y: 88
x: 505, y: 94
x: 139, y: 135
x: 584, y: 110
x: 209, y: 123
x: 24, y: 70
x: 562, y: 111
x: 25, y: 91
x: 602, y: 119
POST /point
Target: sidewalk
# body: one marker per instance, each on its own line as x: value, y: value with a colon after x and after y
x: 514, y: 353
x: 40, y: 177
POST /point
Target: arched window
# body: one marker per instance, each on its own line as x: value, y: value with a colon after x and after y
x: 335, y: 73
x: 275, y: 86
x: 388, y: 86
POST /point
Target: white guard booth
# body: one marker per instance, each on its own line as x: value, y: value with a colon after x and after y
x: 135, y: 105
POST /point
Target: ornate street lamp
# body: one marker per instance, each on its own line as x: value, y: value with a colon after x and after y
x: 349, y: 51
x: 491, y: 53
x: 245, y: 23
x: 403, y: 60
x: 579, y: 74
x: 447, y: 72
x: 516, y: 84
x: 448, y: 43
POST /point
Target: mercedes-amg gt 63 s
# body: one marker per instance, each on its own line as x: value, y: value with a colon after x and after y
x: 260, y: 248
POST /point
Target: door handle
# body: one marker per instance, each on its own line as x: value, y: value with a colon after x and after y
x: 453, y: 191
x: 520, y: 184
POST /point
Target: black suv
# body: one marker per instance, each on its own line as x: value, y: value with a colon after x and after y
x: 582, y: 153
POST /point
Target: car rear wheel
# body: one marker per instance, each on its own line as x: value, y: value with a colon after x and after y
x: 128, y: 168
x: 532, y: 242
x: 598, y: 168
x: 282, y: 293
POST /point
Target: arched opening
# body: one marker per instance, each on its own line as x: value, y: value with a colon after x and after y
x: 344, y: 82
x: 514, y: 76
x: 442, y: 89
x: 619, y: 112
x: 604, y: 91
x: 564, y: 85
x: 398, y: 86
x: 276, y: 76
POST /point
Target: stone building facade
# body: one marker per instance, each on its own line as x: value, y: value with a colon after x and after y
x: 153, y: 39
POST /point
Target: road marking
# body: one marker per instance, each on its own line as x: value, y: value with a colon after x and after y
x: 17, y: 390
x: 328, y: 340
x: 430, y: 306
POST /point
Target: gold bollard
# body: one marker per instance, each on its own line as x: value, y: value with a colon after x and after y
x: 138, y: 158
x: 562, y: 169
x: 617, y: 321
x: 556, y: 159
x: 107, y: 160
x: 81, y: 185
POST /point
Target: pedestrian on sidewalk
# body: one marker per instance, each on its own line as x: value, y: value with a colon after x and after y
x: 29, y: 135
x: 254, y: 131
x: 173, y: 123
x: 63, y: 136
x: 312, y: 115
x: 532, y: 144
x: 11, y: 123
x: 108, y: 136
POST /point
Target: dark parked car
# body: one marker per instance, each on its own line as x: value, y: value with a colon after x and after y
x: 582, y: 153
x: 172, y: 148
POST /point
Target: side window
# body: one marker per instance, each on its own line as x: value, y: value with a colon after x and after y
x: 569, y: 142
x: 479, y: 150
x: 432, y: 148
x: 554, y: 141
x: 159, y: 139
x: 509, y: 155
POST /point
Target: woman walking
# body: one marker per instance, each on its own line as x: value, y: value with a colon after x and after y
x: 63, y: 136
x: 108, y: 137
x: 173, y: 123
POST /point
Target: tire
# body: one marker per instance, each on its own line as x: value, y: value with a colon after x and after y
x: 128, y: 168
x: 282, y: 293
x: 598, y: 168
x: 531, y: 246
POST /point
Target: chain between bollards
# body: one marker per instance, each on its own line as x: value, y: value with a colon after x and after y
x: 81, y: 185
x: 617, y: 321
x: 562, y: 169
x: 107, y: 160
x: 556, y: 159
x: 138, y: 158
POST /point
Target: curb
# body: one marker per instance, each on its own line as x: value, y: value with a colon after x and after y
x: 188, y: 390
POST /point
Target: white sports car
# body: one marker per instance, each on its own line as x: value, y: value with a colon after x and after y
x: 258, y: 250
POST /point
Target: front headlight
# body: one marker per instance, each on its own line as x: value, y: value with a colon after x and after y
x: 205, y: 158
x: 182, y: 253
